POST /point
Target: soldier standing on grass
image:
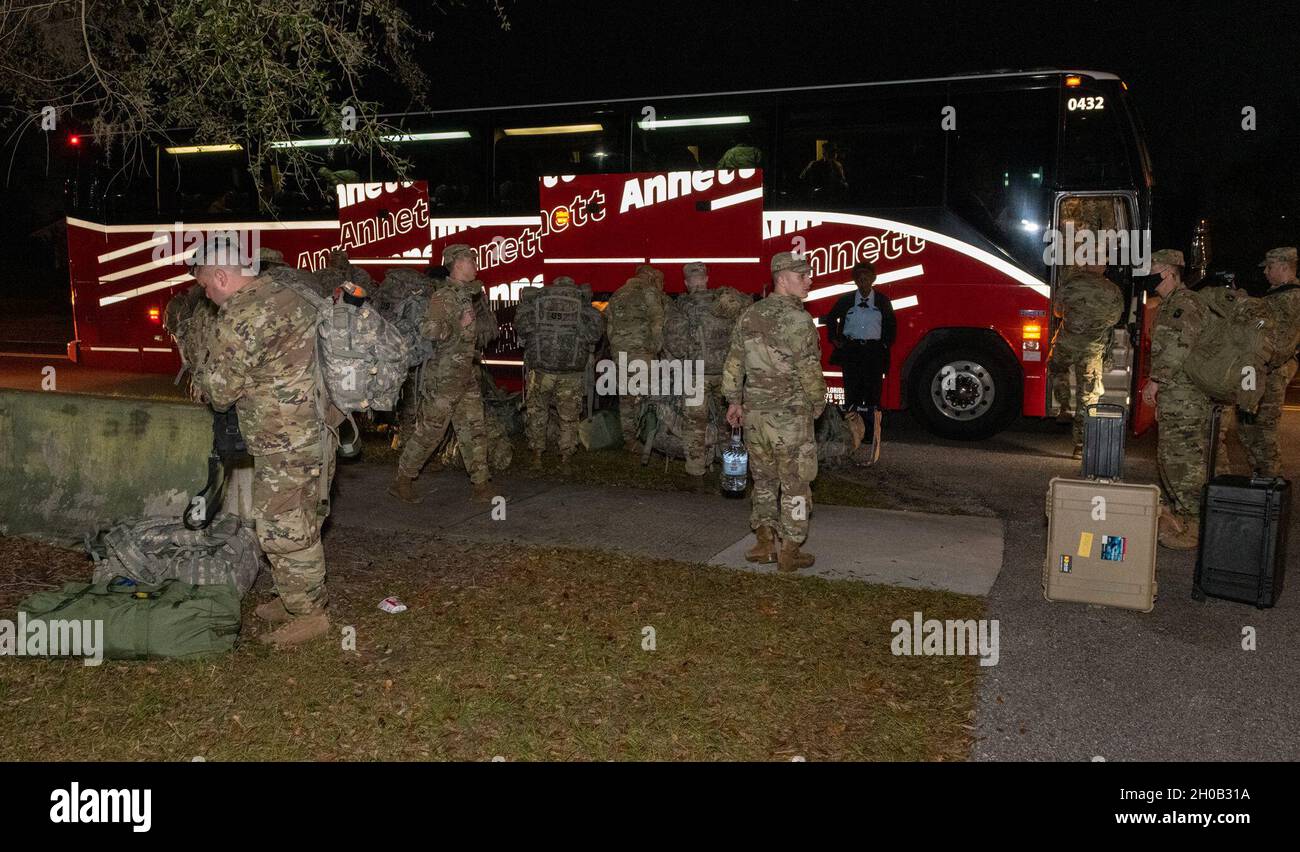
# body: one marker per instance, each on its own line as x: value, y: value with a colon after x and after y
x: 773, y: 380
x: 263, y: 361
x: 557, y: 328
x: 449, y: 384
x: 635, y: 327
x: 697, y: 328
x: 1182, y: 409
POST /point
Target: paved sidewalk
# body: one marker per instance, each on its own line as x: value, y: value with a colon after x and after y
x: 912, y: 549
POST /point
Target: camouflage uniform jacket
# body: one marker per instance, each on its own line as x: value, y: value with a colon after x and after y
x: 263, y: 361
x: 1088, y: 304
x: 1174, y: 333
x: 454, y: 345
x: 775, y: 359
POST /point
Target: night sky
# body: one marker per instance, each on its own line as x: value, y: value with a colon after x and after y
x: 1190, y: 67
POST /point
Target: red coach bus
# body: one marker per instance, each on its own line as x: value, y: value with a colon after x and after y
x: 947, y: 185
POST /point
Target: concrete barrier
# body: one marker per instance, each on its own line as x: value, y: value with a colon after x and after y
x: 74, y: 463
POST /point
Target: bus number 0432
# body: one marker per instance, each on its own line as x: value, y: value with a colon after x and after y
x: 1097, y: 102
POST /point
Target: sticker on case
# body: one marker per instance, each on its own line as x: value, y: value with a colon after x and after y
x: 1113, y: 548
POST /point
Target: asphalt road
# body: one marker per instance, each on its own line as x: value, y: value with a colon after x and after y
x: 1077, y: 682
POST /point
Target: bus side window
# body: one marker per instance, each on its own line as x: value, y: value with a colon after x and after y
x: 531, y: 145
x: 205, y: 185
x: 691, y: 136
x: 450, y: 158
x: 862, y: 150
x: 1000, y: 158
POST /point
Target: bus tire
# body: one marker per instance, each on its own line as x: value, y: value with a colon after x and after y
x: 966, y: 392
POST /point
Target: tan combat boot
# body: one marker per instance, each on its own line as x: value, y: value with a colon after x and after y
x: 1187, y: 538
x: 791, y: 559
x: 403, y: 488
x: 302, y: 628
x: 632, y: 445
x: 273, y: 611
x: 566, y: 463
x: 696, y: 485
x: 764, y: 551
x: 536, y: 463
x: 481, y: 492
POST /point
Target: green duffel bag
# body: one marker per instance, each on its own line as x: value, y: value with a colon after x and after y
x: 601, y: 431
x: 170, y: 620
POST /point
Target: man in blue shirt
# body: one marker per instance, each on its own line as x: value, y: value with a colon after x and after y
x: 861, y: 328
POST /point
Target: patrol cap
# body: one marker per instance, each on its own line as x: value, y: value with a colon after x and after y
x: 695, y: 268
x: 451, y: 252
x: 1168, y: 257
x: 1285, y: 254
x: 563, y: 281
x: 781, y: 261
x: 647, y: 268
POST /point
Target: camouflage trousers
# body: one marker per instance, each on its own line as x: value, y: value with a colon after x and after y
x: 629, y: 407
x: 1085, y: 356
x: 1260, y: 437
x: 288, y: 510
x: 564, y: 392
x: 695, y: 427
x: 783, y: 464
x: 1183, y: 414
x: 460, y: 408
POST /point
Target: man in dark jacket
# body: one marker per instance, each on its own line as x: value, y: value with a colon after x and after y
x: 861, y: 328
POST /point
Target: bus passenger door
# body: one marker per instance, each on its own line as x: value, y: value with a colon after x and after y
x: 1111, y: 216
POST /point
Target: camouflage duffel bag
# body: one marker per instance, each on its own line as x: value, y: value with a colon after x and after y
x: 151, y: 550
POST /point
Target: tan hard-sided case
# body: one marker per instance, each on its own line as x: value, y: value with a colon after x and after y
x: 1101, y: 543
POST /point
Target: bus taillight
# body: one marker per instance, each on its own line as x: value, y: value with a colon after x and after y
x: 1032, y: 331
x: 1073, y: 81
x: 155, y: 316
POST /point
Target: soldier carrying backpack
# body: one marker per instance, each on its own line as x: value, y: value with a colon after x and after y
x: 697, y: 329
x: 1282, y: 301
x: 264, y: 360
x: 558, y: 328
x: 634, y: 320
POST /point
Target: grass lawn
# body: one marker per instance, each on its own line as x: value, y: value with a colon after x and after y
x: 526, y: 653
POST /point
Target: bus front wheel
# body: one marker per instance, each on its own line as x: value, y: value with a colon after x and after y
x: 966, y: 393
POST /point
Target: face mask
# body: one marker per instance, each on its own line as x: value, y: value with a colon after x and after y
x: 1147, y: 283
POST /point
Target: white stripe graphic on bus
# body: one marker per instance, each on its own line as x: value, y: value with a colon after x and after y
x: 159, y: 240
x: 738, y: 198
x: 140, y: 291
x: 145, y: 267
x: 882, y: 278
x: 1006, y: 268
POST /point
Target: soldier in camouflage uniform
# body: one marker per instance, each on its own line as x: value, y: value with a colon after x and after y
x: 557, y: 328
x: 635, y: 321
x: 1088, y: 305
x: 697, y: 330
x: 263, y: 361
x: 1182, y: 409
x: 449, y: 388
x: 1259, y: 437
x: 774, y: 384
